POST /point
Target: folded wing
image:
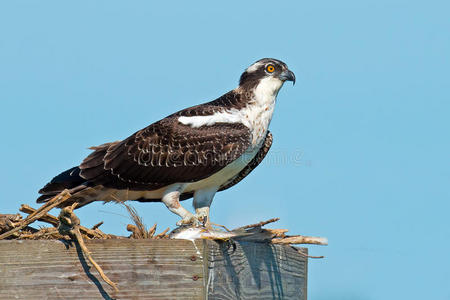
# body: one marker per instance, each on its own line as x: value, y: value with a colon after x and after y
x: 165, y: 152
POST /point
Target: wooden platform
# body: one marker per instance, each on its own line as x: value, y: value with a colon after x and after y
x: 152, y: 269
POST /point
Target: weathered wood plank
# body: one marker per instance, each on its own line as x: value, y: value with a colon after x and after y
x: 152, y: 269
x: 249, y: 270
x: 143, y: 269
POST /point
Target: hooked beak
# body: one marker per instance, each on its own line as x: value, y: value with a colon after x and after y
x: 288, y: 75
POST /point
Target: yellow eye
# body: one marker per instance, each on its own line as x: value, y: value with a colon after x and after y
x: 270, y: 68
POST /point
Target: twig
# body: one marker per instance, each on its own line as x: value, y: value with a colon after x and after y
x: 48, y: 218
x: 308, y: 256
x: 42, y: 233
x: 260, y: 224
x: 97, y: 225
x: 162, y: 234
x: 70, y: 224
x: 152, y: 231
x: 222, y: 226
x: 86, y: 252
x: 134, y: 231
x: 279, y: 233
x: 139, y: 230
x: 300, y: 239
x: 9, y: 221
x: 54, y: 202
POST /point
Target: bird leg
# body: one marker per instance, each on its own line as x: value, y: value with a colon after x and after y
x: 202, y: 202
x: 171, y: 200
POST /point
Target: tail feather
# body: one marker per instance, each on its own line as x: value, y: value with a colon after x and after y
x: 69, y: 179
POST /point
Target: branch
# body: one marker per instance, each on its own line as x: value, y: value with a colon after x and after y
x: 162, y: 234
x: 9, y: 221
x: 70, y: 224
x: 54, y: 202
x: 260, y: 224
x: 300, y: 239
x: 50, y: 219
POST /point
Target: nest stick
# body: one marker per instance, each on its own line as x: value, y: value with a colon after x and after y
x: 301, y: 239
x: 309, y: 256
x: 54, y: 202
x: 260, y: 224
x: 162, y: 234
x: 70, y: 224
x: 152, y: 231
x: 222, y: 226
x: 87, y: 253
x: 50, y: 219
x: 139, y: 230
x: 97, y: 225
x: 47, y: 218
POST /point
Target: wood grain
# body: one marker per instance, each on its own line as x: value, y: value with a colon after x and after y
x: 247, y: 270
x: 151, y: 269
x: 143, y: 269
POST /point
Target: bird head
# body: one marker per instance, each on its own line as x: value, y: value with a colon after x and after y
x: 269, y: 71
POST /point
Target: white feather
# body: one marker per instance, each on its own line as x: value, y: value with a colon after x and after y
x: 218, y: 117
x: 254, y: 67
x: 256, y: 115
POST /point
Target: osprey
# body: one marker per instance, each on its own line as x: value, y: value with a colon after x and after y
x: 194, y: 152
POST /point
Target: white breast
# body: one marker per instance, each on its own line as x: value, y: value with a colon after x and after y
x: 225, y: 175
x: 256, y: 115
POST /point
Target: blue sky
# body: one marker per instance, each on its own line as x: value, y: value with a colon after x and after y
x: 361, y: 149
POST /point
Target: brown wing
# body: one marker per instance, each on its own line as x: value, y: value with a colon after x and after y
x: 165, y: 152
x: 252, y: 164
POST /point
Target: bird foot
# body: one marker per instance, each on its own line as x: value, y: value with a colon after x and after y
x: 202, y: 215
x: 189, y: 219
x: 197, y: 220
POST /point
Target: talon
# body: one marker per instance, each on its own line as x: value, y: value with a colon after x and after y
x: 188, y: 220
x: 202, y: 215
x: 202, y: 219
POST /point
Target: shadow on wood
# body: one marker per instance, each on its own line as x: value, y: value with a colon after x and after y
x: 86, y: 269
x: 152, y: 269
x: 256, y: 271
